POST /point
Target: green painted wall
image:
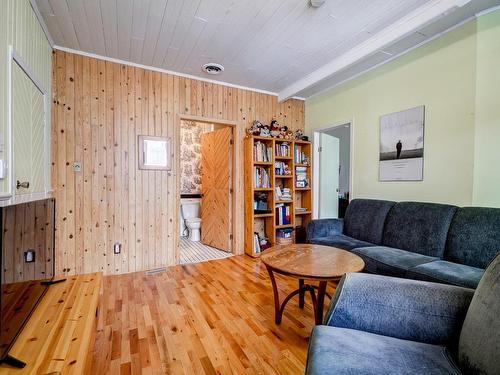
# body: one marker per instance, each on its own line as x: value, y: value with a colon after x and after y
x: 487, y: 140
x: 442, y: 75
x: 19, y: 27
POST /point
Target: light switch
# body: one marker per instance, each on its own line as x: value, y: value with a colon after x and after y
x: 77, y: 166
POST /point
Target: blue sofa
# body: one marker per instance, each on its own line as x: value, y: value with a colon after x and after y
x: 423, y: 241
x: 386, y: 325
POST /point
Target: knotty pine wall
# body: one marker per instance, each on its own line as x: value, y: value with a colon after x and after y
x: 99, y: 109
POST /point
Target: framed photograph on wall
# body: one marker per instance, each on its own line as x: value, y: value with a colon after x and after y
x: 154, y: 153
x: 402, y: 145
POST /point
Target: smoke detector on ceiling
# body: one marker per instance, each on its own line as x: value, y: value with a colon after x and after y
x: 317, y: 3
x: 212, y: 68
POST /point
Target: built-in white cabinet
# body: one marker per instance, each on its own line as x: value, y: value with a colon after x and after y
x: 28, y: 134
x: 25, y: 144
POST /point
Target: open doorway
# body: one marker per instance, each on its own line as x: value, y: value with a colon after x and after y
x: 206, y: 176
x: 332, y: 170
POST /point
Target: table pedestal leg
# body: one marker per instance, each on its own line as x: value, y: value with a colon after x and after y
x: 320, y: 302
x: 301, y: 293
x: 277, y: 315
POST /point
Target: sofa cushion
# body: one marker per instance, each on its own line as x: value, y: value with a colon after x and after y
x: 474, y: 236
x: 419, y: 227
x: 335, y: 350
x: 479, y: 345
x: 365, y: 218
x: 340, y: 241
x: 442, y: 271
x: 389, y: 261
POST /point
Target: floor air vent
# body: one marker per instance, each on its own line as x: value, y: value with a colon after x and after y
x: 155, y: 271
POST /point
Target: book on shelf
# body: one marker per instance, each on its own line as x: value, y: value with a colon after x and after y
x: 283, y: 216
x: 262, y: 153
x: 281, y: 169
x: 256, y: 243
x: 284, y: 233
x: 260, y: 243
x: 284, y: 236
x: 300, y: 157
x: 260, y: 206
x: 282, y: 149
x: 261, y: 178
x: 283, y: 194
x: 301, y: 179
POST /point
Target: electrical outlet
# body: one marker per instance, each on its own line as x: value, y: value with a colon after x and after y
x: 117, y: 248
x: 77, y: 166
x: 29, y: 256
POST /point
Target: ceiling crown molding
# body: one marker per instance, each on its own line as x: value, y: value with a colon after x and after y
x: 165, y: 71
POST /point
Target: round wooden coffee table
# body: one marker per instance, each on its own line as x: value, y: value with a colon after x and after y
x: 307, y: 262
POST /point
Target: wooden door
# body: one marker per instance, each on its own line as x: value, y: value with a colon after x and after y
x: 216, y: 181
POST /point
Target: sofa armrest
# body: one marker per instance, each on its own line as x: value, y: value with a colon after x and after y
x: 324, y: 227
x: 406, y: 309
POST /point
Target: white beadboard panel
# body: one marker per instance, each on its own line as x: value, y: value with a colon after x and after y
x: 270, y: 45
x: 20, y: 28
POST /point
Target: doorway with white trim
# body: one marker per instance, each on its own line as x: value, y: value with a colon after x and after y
x: 332, y: 171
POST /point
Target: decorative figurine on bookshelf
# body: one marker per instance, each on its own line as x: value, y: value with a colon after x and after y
x: 255, y: 128
x: 275, y: 129
x: 260, y: 129
x: 298, y: 134
x: 264, y: 131
x: 287, y: 170
x: 283, y: 131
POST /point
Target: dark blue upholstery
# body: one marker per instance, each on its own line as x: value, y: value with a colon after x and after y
x: 385, y: 325
x: 389, y: 261
x: 324, y: 228
x: 419, y: 227
x: 474, y: 236
x: 405, y: 309
x: 340, y: 241
x: 348, y: 351
x: 479, y: 346
x: 365, y: 218
x: 442, y: 271
x: 423, y: 241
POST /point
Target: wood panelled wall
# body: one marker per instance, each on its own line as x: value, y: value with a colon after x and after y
x: 99, y: 109
x: 27, y: 226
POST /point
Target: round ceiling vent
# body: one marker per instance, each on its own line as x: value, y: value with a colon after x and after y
x: 212, y: 68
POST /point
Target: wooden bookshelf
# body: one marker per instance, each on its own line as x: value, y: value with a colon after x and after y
x: 265, y: 221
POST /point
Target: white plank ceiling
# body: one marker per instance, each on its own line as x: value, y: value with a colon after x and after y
x: 263, y: 44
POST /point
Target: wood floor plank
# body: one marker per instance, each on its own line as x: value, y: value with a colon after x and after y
x: 215, y: 317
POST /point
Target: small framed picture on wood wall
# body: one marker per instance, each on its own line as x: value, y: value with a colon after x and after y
x: 155, y: 153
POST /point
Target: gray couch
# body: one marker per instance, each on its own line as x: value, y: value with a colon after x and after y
x: 423, y: 241
x: 387, y: 325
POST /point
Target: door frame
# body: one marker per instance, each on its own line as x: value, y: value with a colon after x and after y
x: 316, y: 168
x: 177, y: 164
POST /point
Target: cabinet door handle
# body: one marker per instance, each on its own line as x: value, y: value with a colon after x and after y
x: 24, y: 185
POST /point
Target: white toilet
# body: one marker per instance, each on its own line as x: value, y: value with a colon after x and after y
x: 190, y: 211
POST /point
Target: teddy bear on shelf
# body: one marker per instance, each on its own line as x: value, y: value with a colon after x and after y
x: 298, y: 134
x: 255, y: 128
x: 287, y: 170
x: 275, y: 129
x: 265, y: 131
x: 283, y: 131
x: 289, y: 135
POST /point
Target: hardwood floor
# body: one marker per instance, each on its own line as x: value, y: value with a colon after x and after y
x: 214, y: 317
